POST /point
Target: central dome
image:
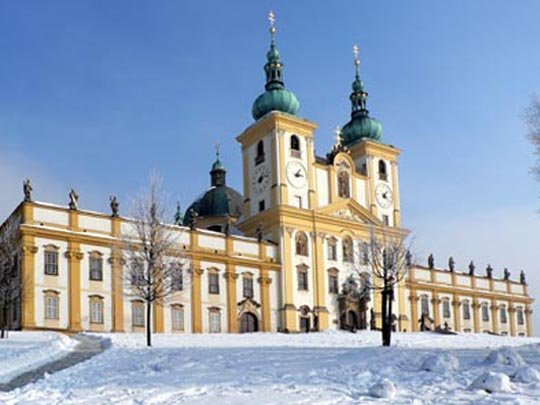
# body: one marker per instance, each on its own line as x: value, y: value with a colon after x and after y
x: 275, y: 100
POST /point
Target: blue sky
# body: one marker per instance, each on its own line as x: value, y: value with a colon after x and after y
x: 96, y: 93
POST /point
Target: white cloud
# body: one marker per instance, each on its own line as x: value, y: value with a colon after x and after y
x: 506, y: 237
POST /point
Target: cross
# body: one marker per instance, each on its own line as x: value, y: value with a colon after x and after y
x: 356, y: 52
x: 217, y: 146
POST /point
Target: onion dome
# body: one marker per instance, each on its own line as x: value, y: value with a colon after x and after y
x: 219, y: 200
x: 361, y: 125
x: 276, y: 97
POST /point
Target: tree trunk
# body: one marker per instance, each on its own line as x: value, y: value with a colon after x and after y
x: 148, y: 324
x: 3, y: 326
x: 389, y: 316
x: 383, y: 314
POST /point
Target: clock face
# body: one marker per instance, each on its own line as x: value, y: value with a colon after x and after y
x: 296, y: 174
x: 260, y: 179
x: 383, y: 193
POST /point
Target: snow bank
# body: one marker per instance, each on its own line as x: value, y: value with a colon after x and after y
x: 444, y: 362
x: 526, y: 374
x: 492, y: 382
x: 383, y: 389
x: 505, y: 357
x: 25, y: 351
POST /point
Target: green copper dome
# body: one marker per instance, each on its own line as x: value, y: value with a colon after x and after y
x: 276, y: 97
x: 361, y: 126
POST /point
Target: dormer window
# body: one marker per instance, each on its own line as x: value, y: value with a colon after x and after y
x: 383, y: 175
x: 260, y: 153
x: 295, y: 146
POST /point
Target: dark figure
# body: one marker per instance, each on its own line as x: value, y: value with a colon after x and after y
x: 408, y: 258
x: 522, y: 277
x: 115, y: 206
x: 489, y: 271
x: 431, y: 261
x: 372, y: 320
x: 73, y: 199
x: 260, y: 232
x: 451, y: 264
x: 228, y: 226
x: 472, y: 267
x: 27, y: 189
x: 192, y: 219
x: 506, y: 274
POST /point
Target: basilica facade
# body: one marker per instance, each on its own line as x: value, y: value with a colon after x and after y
x: 277, y: 257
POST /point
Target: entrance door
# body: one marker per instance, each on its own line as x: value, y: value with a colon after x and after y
x: 304, y: 324
x: 352, y: 320
x: 248, y: 323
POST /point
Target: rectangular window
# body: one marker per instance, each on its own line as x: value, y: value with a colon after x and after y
x: 466, y: 311
x: 332, y: 250
x: 333, y: 286
x: 137, y: 314
x: 446, y: 309
x: 51, y: 307
x: 424, y: 302
x: 261, y: 206
x: 520, y: 319
x: 502, y: 314
x: 96, y: 268
x: 96, y: 311
x: 51, y: 263
x: 137, y: 273
x: 485, y: 313
x: 215, y: 322
x: 386, y: 220
x: 302, y: 280
x: 177, y: 316
x: 213, y: 283
x: 248, y: 287
x: 177, y: 281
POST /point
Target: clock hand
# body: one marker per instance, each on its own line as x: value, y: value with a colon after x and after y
x: 298, y: 174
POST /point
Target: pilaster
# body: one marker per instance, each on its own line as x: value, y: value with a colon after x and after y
x: 289, y: 309
x: 528, y: 319
x: 29, y: 251
x: 413, y: 298
x: 321, y: 288
x: 457, y: 314
x: 74, y: 256
x: 494, y: 319
x: 512, y: 318
x: 476, y: 308
x: 436, y: 308
x: 196, y: 293
x: 117, y: 276
x: 232, y: 318
x: 264, y: 282
x: 395, y: 190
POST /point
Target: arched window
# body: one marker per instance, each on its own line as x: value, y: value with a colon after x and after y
x: 466, y: 310
x: 502, y: 314
x: 260, y: 153
x: 301, y: 244
x: 295, y: 146
x: 348, y: 250
x: 383, y: 175
x: 485, y: 312
x: 344, y: 188
x: 424, y: 305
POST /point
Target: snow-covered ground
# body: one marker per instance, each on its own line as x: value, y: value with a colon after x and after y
x: 327, y: 368
x: 24, y: 351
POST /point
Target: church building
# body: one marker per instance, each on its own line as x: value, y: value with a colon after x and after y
x: 277, y: 257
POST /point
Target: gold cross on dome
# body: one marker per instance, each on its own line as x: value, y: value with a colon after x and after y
x: 271, y: 18
x: 337, y: 133
x: 356, y: 52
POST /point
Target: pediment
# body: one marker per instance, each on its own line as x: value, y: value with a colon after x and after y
x: 350, y: 210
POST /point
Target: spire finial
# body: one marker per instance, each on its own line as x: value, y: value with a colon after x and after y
x: 217, y: 146
x: 337, y: 133
x: 356, y: 52
x: 272, y: 19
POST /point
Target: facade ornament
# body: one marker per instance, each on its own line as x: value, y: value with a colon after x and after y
x: 192, y: 219
x: 408, y: 258
x: 506, y: 274
x: 372, y: 320
x: 115, y: 206
x: 73, y: 200
x: 522, y: 277
x: 27, y: 190
x: 260, y: 232
x: 489, y: 271
x: 431, y: 261
x: 472, y: 267
x: 451, y: 264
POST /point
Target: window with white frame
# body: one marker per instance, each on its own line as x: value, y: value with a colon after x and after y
x: 302, y: 275
x: 502, y: 314
x: 332, y: 249
x: 96, y: 310
x: 177, y: 317
x: 52, y: 305
x: 485, y: 312
x: 446, y: 308
x: 213, y: 283
x: 248, y: 286
x: 96, y: 267
x: 466, y: 310
x: 215, y: 320
x: 51, y: 261
x: 520, y: 317
x: 333, y: 284
x: 424, y: 305
x: 177, y: 277
x: 137, y: 313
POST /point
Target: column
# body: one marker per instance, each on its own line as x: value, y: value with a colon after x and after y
x: 457, y: 314
x: 196, y: 294
x: 512, y: 318
x: 475, y: 308
x: 289, y: 309
x: 528, y: 319
x: 320, y: 287
x: 117, y: 277
x: 436, y: 308
x: 232, y: 317
x: 312, y: 196
x: 413, y: 298
x: 395, y: 189
x: 283, y: 185
x: 29, y: 250
x: 74, y: 256
x: 494, y: 321
x: 264, y: 282
x: 159, y: 322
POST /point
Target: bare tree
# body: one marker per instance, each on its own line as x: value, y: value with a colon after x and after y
x: 387, y: 256
x: 153, y: 262
x: 532, y: 119
x: 10, y: 277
